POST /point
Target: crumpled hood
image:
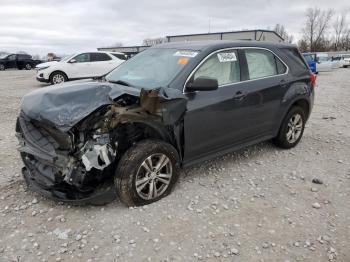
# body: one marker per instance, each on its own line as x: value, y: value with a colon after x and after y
x: 63, y: 106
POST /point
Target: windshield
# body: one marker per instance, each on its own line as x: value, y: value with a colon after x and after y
x: 152, y: 68
x: 65, y: 58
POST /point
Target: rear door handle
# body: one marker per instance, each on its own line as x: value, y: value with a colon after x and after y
x: 239, y: 95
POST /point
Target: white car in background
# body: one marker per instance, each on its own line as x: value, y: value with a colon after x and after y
x: 79, y: 66
x: 345, y: 59
x: 324, y: 64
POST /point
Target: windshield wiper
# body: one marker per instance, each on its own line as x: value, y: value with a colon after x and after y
x: 120, y: 82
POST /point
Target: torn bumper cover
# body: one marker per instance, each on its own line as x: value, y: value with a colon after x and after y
x: 70, y: 140
x: 44, y: 168
x: 102, y: 195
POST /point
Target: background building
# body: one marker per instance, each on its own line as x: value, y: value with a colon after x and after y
x: 250, y: 35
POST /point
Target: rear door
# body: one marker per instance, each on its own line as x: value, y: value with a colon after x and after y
x: 101, y: 63
x: 267, y: 83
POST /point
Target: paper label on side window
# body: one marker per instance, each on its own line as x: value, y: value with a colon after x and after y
x: 227, y: 57
x: 186, y: 53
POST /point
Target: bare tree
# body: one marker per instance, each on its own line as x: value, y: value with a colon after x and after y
x: 280, y: 29
x: 339, y: 28
x: 302, y: 45
x: 345, y: 40
x: 317, y: 23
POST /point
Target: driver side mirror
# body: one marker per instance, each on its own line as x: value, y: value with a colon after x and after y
x: 72, y: 61
x: 203, y: 84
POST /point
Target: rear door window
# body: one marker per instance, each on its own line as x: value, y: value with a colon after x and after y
x: 263, y: 63
x: 98, y: 57
x: 223, y: 66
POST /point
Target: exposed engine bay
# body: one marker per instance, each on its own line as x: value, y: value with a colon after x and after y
x: 73, y: 162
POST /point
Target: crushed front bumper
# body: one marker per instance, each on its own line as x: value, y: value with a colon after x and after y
x: 103, y: 194
x: 43, y: 167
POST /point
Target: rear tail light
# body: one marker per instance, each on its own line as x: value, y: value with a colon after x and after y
x: 313, y: 80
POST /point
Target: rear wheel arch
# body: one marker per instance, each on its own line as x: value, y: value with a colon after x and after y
x: 304, y: 104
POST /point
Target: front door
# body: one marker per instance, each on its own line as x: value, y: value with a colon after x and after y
x: 216, y: 119
x: 79, y: 66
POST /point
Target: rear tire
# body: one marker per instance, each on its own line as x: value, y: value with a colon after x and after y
x: 138, y: 181
x: 57, y: 78
x: 292, y: 128
x: 2, y: 68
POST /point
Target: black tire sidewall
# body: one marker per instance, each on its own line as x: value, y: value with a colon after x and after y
x: 30, y: 66
x: 129, y: 164
x: 2, y: 67
x: 57, y: 73
x: 281, y: 139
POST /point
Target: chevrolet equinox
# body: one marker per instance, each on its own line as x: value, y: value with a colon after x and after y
x: 128, y: 133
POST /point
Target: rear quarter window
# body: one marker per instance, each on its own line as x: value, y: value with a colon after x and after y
x: 295, y: 59
x: 120, y: 56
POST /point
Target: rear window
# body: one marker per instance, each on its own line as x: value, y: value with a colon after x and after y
x: 309, y: 58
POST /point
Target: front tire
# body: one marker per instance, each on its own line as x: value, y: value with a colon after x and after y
x: 146, y: 172
x: 57, y: 78
x: 292, y: 128
x: 2, y: 67
x: 28, y: 66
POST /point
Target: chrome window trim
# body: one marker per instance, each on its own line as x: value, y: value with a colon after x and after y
x: 235, y: 48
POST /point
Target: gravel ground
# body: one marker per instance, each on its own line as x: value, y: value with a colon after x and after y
x: 258, y: 204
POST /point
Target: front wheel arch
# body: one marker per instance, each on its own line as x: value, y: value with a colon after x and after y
x: 58, y: 71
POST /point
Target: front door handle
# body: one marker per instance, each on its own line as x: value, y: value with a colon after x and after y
x: 239, y: 95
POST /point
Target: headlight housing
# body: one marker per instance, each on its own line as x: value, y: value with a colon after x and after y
x: 42, y: 68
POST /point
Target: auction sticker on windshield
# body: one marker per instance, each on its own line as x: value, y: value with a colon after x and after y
x: 186, y: 53
x: 227, y: 57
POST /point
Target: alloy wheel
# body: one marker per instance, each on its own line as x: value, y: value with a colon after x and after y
x: 153, y: 176
x: 57, y: 79
x: 295, y: 127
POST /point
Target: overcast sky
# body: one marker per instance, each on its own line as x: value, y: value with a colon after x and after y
x: 66, y: 26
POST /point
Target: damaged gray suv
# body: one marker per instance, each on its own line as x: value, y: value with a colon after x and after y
x: 170, y: 106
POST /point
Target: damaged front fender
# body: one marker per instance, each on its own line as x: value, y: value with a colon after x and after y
x: 92, y: 125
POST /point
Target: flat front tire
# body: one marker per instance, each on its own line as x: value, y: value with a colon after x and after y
x: 292, y: 128
x: 146, y: 172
